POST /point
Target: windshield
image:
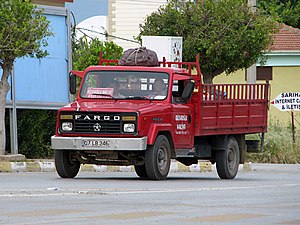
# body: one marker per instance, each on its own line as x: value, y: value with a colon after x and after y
x: 125, y: 85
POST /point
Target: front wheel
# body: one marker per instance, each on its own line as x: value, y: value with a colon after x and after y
x: 227, y: 161
x: 158, y: 159
x: 66, y: 167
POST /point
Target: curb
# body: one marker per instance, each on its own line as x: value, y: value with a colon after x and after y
x: 41, y: 166
x: 49, y: 166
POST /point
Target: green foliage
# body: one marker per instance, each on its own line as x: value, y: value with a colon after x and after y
x: 278, y: 146
x: 23, y: 32
x: 35, y: 128
x: 23, y: 29
x: 227, y: 34
x: 86, y: 53
x: 284, y: 11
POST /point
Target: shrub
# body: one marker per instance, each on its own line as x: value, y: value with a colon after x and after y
x: 35, y: 128
x: 278, y: 146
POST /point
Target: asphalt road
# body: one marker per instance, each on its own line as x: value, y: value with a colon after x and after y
x: 264, y: 196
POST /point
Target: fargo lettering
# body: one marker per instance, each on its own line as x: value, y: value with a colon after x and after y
x: 96, y: 117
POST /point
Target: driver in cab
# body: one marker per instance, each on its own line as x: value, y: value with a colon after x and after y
x: 159, y: 89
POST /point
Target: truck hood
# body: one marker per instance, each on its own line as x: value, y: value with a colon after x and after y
x: 115, y: 106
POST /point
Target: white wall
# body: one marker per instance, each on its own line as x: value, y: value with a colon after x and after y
x: 124, y: 17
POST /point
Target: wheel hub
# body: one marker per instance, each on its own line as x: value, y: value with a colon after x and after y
x: 231, y: 159
x: 161, y: 158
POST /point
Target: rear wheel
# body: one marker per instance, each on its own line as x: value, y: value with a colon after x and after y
x: 140, y: 170
x: 227, y: 161
x: 66, y: 167
x: 158, y: 159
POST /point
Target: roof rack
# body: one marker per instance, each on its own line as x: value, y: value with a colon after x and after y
x: 163, y: 63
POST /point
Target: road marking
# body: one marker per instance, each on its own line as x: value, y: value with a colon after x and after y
x: 224, y: 218
x: 115, y: 191
x: 48, y: 212
x: 83, y: 219
x: 290, y: 222
x: 194, y: 189
x: 135, y: 215
x: 37, y: 195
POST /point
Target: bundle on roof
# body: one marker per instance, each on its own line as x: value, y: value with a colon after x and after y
x: 139, y: 57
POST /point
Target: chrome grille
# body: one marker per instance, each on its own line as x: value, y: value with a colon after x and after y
x: 96, y: 123
x: 100, y: 123
x: 90, y: 127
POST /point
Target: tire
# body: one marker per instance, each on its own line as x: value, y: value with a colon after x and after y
x: 158, y: 159
x: 140, y: 170
x: 65, y: 167
x: 227, y: 161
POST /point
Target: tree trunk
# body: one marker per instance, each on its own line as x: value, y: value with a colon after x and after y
x: 4, y: 88
x: 208, y: 77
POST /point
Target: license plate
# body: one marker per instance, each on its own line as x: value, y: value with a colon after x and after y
x: 95, y: 143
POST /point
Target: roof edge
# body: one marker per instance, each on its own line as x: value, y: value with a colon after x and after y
x: 284, y: 52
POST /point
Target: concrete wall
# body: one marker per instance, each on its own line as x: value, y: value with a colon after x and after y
x: 285, y: 79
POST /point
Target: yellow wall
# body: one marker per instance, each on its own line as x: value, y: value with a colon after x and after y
x: 285, y: 79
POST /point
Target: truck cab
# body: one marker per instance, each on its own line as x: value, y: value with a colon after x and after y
x: 146, y: 116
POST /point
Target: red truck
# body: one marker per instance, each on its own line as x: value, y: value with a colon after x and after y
x: 146, y: 116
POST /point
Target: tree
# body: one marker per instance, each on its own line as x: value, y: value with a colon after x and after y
x: 86, y: 52
x: 227, y: 34
x: 23, y: 30
x: 284, y: 11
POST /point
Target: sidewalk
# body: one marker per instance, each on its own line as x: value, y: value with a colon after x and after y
x: 18, y: 163
x: 48, y: 166
x: 267, y: 167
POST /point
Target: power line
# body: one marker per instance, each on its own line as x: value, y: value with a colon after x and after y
x: 105, y: 34
x: 80, y: 29
x: 84, y: 34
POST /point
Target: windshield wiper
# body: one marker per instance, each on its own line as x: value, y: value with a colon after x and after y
x: 137, y: 98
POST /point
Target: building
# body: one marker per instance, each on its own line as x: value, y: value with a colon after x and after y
x: 124, y: 18
x: 282, y: 69
x: 42, y: 83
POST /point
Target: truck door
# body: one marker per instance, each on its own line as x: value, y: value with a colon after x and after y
x: 182, y: 118
x: 182, y: 126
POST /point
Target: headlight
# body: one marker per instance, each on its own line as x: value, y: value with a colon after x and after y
x: 129, y: 127
x: 67, y: 126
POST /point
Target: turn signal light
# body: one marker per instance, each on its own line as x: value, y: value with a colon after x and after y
x: 128, y: 118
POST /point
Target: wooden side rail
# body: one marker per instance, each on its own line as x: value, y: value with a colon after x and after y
x: 228, y: 92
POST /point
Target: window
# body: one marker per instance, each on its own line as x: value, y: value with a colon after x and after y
x: 264, y: 73
x: 125, y: 85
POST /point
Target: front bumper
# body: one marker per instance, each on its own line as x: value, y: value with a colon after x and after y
x: 115, y: 144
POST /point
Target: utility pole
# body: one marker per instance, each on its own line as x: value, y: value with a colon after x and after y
x: 13, y: 116
x: 251, y: 71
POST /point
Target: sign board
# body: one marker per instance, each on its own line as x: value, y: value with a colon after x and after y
x: 287, y: 101
x: 165, y: 46
x: 43, y: 83
x: 100, y: 92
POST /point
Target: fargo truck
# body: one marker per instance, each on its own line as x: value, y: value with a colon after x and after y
x: 117, y: 120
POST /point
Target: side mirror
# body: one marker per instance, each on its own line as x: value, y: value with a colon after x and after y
x: 187, y: 91
x: 72, y: 82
